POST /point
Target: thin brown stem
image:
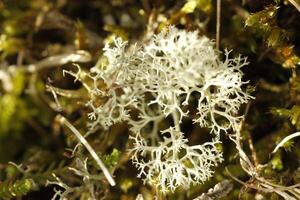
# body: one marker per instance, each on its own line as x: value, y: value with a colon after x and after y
x: 253, y: 152
x: 218, y: 27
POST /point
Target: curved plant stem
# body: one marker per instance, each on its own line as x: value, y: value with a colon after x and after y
x: 106, y: 173
x: 289, y: 137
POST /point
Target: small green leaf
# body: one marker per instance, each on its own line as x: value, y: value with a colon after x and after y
x: 203, y: 5
x: 189, y: 6
x: 112, y: 159
x: 276, y: 162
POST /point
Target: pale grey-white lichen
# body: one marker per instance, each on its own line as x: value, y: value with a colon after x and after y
x: 173, y: 162
x: 158, y: 80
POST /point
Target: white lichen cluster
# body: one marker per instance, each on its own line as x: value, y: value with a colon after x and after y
x: 173, y: 162
x: 166, y: 78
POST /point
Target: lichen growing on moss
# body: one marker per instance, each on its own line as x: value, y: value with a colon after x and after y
x: 142, y: 85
